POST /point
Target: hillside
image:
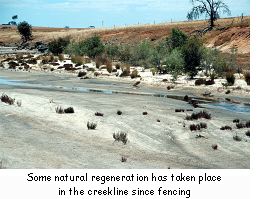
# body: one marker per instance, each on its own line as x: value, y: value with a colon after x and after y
x: 229, y: 32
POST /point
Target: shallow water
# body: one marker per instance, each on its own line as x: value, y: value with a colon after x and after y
x: 237, y: 108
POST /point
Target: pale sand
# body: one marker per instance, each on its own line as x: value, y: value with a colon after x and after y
x: 34, y: 136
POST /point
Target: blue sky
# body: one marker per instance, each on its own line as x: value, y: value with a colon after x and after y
x: 83, y: 13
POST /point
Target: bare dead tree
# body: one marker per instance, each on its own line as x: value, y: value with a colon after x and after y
x: 209, y: 8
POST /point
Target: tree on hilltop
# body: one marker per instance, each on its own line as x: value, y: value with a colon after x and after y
x: 209, y: 8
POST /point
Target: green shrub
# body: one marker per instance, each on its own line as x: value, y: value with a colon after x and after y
x: 192, y: 53
x: 57, y: 46
x: 92, y: 46
x: 25, y: 30
x: 176, y: 39
x: 141, y: 54
x: 175, y: 63
x: 112, y: 51
x: 124, y: 53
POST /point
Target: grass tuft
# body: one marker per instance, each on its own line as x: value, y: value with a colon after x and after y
x: 223, y: 128
x: 91, y: 125
x: 6, y: 99
x: 119, y: 112
x: 120, y: 137
x: 99, y: 114
x: 196, y: 116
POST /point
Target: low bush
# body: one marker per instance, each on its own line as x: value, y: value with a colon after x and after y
x: 203, y: 125
x: 99, y: 114
x: 170, y: 87
x: 120, y: 137
x: 91, y: 125
x: 247, y: 133
x: 103, y: 60
x: 228, y: 92
x: 125, y: 71
x: 195, y: 127
x: 215, y: 147
x: 230, y: 78
x: 82, y: 73
x: 12, y: 65
x: 236, y: 121
x: 240, y: 125
x: 61, y: 57
x: 57, y: 46
x: 179, y: 110
x: 198, y: 127
x: 194, y: 103
x: 247, y: 124
x: 77, y: 59
x: 200, y: 81
x: 209, y: 82
x: 32, y: 61
x: 196, y: 116
x: 123, y: 159
x: 19, y: 103
x: 247, y: 78
x: 119, y: 112
x: 47, y: 59
x: 118, y: 66
x: 237, y: 138
x: 145, y: 113
x: 109, y: 66
x: 59, y: 110
x: 69, y: 110
x: 186, y: 98
x: 6, y: 99
x: 223, y: 128
x: 134, y: 74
